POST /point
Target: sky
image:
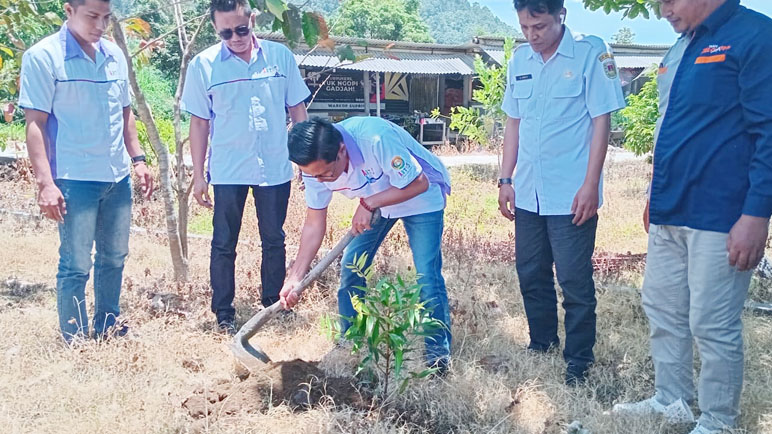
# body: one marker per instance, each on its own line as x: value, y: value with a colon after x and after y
x: 580, y: 20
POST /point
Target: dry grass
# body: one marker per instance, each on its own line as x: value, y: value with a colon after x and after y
x: 137, y: 384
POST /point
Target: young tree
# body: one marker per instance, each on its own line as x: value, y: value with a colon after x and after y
x: 639, y: 118
x: 187, y: 25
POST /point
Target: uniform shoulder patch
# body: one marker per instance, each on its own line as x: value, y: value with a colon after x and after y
x: 609, y: 65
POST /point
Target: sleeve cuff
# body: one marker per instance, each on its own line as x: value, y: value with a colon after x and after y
x: 292, y: 102
x: 758, y: 206
x: 26, y: 106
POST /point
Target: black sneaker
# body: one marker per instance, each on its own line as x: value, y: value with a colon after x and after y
x: 227, y: 326
x: 442, y: 367
x: 575, y: 377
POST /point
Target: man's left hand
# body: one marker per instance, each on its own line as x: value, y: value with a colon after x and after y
x: 361, y: 220
x: 585, y: 204
x: 145, y: 179
x: 747, y: 241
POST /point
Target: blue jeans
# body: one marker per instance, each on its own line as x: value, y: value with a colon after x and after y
x: 98, y: 213
x: 424, y: 232
x: 271, y: 207
x: 541, y: 241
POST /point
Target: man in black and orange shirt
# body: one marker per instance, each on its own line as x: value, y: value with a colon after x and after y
x: 710, y: 204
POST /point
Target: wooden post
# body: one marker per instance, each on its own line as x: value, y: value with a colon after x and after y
x: 367, y: 92
x: 378, y: 94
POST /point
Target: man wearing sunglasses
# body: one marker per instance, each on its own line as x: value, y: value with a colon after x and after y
x: 237, y: 92
x: 381, y: 165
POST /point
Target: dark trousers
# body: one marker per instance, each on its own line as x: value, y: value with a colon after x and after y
x: 271, y: 207
x: 541, y: 241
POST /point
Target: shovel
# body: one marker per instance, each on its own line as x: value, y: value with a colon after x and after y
x: 246, y: 352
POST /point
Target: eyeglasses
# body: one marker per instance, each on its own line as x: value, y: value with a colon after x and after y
x: 327, y: 176
x: 226, y: 34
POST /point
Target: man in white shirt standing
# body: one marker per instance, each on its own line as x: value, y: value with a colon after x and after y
x: 237, y: 92
x: 561, y: 91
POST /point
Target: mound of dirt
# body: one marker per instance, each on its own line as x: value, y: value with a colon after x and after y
x: 297, y: 383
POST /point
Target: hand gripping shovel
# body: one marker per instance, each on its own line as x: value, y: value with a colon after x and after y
x: 246, y: 352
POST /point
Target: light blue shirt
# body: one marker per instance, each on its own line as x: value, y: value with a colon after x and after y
x: 383, y: 155
x: 555, y: 102
x: 245, y: 105
x: 84, y: 100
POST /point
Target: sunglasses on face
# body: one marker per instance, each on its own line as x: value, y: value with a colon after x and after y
x: 226, y: 34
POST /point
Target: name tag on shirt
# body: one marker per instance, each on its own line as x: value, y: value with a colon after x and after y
x: 523, y: 77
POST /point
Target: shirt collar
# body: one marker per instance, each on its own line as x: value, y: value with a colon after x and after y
x: 566, y: 46
x: 226, y: 53
x: 352, y: 148
x: 720, y: 16
x: 72, y: 48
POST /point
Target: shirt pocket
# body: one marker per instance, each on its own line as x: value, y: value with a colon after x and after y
x: 522, y: 91
x: 713, y: 84
x: 566, y: 99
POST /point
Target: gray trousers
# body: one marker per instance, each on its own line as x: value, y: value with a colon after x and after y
x: 691, y: 292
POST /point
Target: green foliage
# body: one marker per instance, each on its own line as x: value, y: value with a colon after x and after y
x: 11, y: 132
x: 629, y: 8
x: 480, y: 125
x: 157, y: 89
x: 165, y: 130
x: 389, y: 325
x: 639, y: 118
x: 22, y: 23
x: 396, y: 20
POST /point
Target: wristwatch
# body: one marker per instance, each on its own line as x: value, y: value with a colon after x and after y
x: 503, y: 181
x: 138, y: 159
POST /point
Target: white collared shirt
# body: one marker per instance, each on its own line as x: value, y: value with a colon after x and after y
x: 84, y: 100
x: 383, y: 155
x: 556, y: 102
x: 245, y: 104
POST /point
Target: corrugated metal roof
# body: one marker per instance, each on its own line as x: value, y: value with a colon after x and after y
x: 623, y: 60
x: 406, y: 63
x: 634, y: 62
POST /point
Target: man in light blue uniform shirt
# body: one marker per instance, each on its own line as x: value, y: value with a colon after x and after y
x: 238, y: 91
x: 561, y: 90
x: 81, y: 136
x: 379, y: 163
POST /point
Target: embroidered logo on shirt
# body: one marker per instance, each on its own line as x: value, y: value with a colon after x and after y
x: 397, y: 163
x: 662, y: 69
x: 713, y: 54
x: 715, y: 49
x: 568, y: 74
x: 609, y: 65
x: 523, y: 77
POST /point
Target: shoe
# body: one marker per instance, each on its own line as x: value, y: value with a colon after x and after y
x: 442, y: 366
x: 677, y: 412
x: 227, y: 326
x: 116, y: 331
x: 702, y: 429
x: 575, y: 377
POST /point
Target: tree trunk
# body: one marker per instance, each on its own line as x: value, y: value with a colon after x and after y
x: 179, y: 260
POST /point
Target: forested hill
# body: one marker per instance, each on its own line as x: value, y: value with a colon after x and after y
x: 449, y: 21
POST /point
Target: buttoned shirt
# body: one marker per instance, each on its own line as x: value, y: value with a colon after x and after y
x: 556, y: 101
x: 84, y: 99
x: 713, y: 154
x: 245, y: 103
x: 383, y: 155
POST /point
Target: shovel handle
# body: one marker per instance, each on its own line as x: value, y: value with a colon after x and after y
x: 253, y: 325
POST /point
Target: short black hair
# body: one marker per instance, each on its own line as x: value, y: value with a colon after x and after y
x: 75, y: 3
x: 551, y: 7
x: 229, y: 5
x: 313, y: 140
